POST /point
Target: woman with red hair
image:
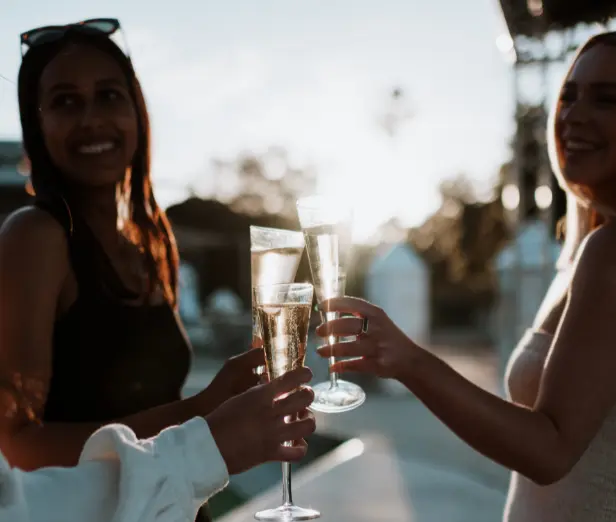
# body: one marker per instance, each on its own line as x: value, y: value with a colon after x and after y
x: 557, y: 431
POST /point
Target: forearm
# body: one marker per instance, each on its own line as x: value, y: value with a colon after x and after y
x: 516, y: 437
x: 59, y: 444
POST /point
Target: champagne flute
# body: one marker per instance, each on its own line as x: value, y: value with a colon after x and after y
x: 327, y: 230
x: 283, y: 312
x: 275, y: 255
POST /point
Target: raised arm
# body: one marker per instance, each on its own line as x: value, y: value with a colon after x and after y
x: 577, y: 390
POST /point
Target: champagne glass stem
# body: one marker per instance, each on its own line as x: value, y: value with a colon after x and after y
x: 333, y: 377
x: 287, y: 496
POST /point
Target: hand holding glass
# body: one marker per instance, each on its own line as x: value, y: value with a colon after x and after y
x: 327, y: 230
x: 283, y: 312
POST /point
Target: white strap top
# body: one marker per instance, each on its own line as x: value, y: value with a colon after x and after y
x: 588, y: 492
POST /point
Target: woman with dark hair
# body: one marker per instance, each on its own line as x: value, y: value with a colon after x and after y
x: 557, y: 433
x: 88, y: 274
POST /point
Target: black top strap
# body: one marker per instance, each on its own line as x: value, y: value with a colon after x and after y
x: 93, y: 268
x: 58, y: 208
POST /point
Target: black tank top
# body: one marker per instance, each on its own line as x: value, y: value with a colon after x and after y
x: 110, y: 359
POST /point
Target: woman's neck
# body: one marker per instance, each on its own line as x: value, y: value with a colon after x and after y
x: 99, y: 208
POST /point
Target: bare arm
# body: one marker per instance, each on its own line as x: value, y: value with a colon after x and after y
x: 516, y: 437
x: 30, y: 446
x: 34, y: 265
x: 577, y: 390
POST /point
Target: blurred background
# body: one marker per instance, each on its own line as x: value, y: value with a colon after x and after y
x: 430, y: 117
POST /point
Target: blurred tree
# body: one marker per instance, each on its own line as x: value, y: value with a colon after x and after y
x: 251, y: 189
x: 262, y: 184
x: 460, y: 241
x: 530, y: 145
x: 535, y: 18
x: 567, y: 13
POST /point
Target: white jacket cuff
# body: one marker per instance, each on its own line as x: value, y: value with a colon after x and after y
x: 180, y: 468
x: 204, y: 468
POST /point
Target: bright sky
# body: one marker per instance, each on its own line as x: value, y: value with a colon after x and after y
x: 312, y: 76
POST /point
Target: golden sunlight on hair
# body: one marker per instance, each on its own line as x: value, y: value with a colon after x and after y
x: 20, y: 397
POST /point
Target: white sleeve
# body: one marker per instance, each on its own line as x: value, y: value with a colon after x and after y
x: 86, y: 492
x: 122, y: 479
x: 12, y: 502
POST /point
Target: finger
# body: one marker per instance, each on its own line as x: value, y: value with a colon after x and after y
x: 295, y: 403
x: 289, y: 381
x: 307, y: 415
x: 351, y: 305
x: 249, y: 359
x: 343, y: 327
x: 290, y: 453
x: 361, y: 347
x: 358, y: 365
x: 304, y: 414
x: 299, y: 429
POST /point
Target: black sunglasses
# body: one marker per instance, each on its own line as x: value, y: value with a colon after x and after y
x: 53, y: 33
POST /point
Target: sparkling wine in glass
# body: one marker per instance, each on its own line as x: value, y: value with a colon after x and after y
x: 283, y: 312
x: 327, y: 231
x: 275, y: 255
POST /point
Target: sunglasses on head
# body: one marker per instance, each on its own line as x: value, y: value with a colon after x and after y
x: 52, y: 33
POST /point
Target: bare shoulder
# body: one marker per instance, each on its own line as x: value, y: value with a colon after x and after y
x: 578, y: 389
x: 30, y: 237
x: 32, y: 221
x: 596, y: 260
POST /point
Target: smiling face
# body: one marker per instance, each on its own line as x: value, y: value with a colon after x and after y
x: 87, y: 116
x: 586, y: 119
